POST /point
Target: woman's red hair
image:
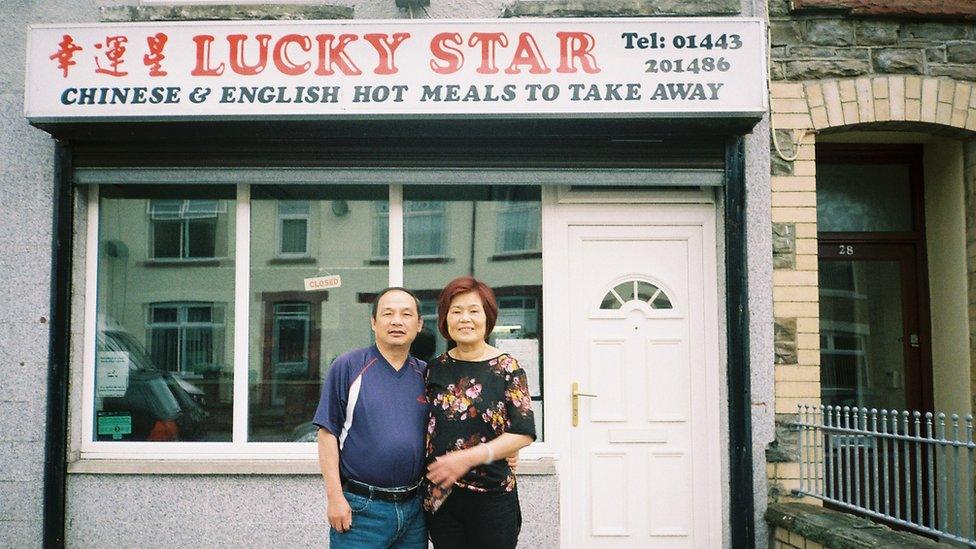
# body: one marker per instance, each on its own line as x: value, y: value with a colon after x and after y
x: 463, y: 285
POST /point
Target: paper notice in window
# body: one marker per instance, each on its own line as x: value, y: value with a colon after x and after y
x: 526, y: 352
x: 322, y: 283
x: 112, y: 374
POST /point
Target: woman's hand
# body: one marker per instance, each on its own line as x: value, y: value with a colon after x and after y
x: 449, y: 468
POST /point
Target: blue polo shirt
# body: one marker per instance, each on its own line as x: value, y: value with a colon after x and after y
x: 379, y: 416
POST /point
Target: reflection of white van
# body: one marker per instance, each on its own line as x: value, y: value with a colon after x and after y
x: 158, y: 405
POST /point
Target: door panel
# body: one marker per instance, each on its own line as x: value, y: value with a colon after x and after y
x: 668, y: 380
x: 607, y: 378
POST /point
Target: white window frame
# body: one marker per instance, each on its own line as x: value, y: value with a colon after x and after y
x: 89, y: 450
x: 282, y: 217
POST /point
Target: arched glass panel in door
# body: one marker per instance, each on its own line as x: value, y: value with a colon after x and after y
x: 636, y: 290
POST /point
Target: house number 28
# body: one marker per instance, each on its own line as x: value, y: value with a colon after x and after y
x: 845, y: 249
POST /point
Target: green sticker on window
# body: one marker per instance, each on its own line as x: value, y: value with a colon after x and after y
x: 115, y: 424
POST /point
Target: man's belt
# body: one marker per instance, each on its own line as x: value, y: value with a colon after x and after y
x: 374, y: 492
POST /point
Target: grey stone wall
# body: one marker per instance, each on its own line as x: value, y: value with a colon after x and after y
x: 26, y: 176
x: 253, y: 511
x: 621, y: 8
x: 815, y: 46
x: 800, y: 525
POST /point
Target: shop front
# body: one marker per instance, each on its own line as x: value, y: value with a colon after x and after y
x: 239, y: 192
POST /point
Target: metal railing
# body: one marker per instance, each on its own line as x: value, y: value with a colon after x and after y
x: 907, y: 468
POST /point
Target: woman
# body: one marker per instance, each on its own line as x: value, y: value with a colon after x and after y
x: 480, y: 414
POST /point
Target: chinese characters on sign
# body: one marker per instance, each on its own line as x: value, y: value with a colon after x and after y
x: 641, y: 66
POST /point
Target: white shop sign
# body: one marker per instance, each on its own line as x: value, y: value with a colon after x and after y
x: 287, y: 69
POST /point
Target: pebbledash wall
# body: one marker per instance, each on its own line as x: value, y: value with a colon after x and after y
x: 266, y: 506
x: 833, y: 72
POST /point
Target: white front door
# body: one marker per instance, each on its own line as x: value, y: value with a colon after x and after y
x: 644, y: 455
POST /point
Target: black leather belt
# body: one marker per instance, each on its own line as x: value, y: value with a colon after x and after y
x: 374, y: 492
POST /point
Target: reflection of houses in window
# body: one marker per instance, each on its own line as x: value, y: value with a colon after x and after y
x: 518, y: 317
x: 843, y: 360
x: 287, y: 390
x: 290, y: 333
x: 844, y: 377
x: 293, y: 228
x: 186, y: 337
x: 518, y: 227
x: 183, y: 229
x: 423, y: 229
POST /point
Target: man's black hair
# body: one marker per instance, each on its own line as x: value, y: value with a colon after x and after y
x: 384, y: 291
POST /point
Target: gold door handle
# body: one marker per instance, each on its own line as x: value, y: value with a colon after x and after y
x: 576, y: 396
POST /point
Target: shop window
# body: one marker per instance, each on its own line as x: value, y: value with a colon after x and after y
x: 170, y: 342
x: 162, y: 356
x: 518, y: 228
x: 293, y: 228
x: 186, y: 337
x: 296, y: 334
x: 481, y: 218
x: 183, y: 229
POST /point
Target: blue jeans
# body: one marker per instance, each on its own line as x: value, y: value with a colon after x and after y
x: 377, y: 523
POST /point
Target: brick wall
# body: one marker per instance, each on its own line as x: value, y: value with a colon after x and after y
x: 795, y: 300
x: 784, y: 539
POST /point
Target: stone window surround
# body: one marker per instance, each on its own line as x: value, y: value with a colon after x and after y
x: 798, y: 111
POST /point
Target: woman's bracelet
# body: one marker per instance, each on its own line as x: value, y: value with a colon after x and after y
x: 491, y: 453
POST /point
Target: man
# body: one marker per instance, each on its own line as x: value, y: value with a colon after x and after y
x: 372, y: 420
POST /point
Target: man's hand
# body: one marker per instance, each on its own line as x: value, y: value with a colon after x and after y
x: 339, y: 512
x: 447, y: 469
x: 512, y: 462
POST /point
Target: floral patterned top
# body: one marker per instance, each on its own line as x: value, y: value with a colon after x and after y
x: 474, y: 402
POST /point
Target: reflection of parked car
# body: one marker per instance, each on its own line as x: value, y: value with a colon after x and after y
x: 161, y: 406
x: 306, y: 432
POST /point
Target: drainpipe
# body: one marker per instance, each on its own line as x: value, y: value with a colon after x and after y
x: 741, y: 504
x: 58, y: 350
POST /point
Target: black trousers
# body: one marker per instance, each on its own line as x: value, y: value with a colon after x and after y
x: 479, y: 520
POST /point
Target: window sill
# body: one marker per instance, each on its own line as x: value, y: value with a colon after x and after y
x: 513, y: 256
x: 535, y: 467
x: 194, y: 467
x: 294, y: 260
x: 424, y: 259
x: 214, y: 262
x: 415, y: 260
